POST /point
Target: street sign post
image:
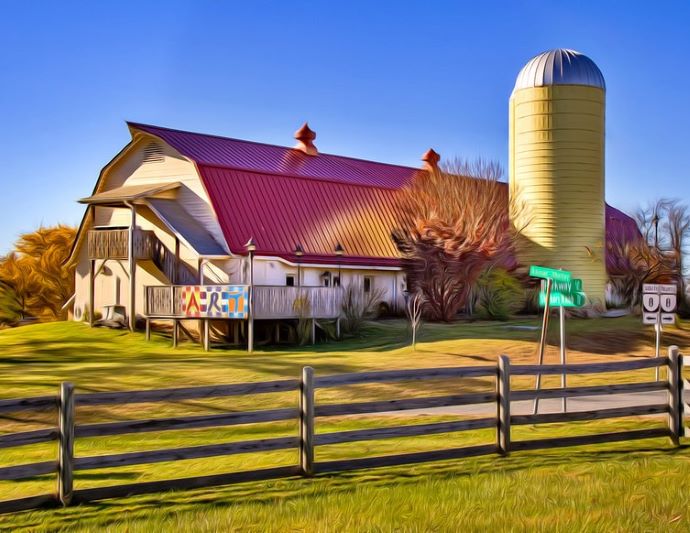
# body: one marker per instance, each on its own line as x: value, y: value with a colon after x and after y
x: 559, y: 289
x: 658, y: 308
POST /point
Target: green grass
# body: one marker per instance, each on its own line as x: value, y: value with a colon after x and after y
x: 615, y: 487
x: 624, y: 487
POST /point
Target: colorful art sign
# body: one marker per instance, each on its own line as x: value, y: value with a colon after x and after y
x: 215, y: 301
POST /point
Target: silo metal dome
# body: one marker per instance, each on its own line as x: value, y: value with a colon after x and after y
x: 560, y: 67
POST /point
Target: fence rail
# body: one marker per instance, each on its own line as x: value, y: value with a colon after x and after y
x: 307, y: 414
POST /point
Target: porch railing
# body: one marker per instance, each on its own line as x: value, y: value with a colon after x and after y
x: 270, y: 302
x: 297, y: 302
x: 114, y: 244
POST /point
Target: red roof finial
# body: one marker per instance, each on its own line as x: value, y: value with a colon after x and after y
x: 305, y: 137
x: 431, y: 159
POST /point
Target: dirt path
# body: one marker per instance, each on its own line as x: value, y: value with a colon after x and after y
x: 584, y: 403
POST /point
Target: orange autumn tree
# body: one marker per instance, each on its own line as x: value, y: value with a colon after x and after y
x: 34, y: 282
x: 456, y: 225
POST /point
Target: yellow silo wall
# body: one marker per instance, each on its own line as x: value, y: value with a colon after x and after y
x: 557, y: 180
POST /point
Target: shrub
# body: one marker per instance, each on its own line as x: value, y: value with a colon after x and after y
x: 358, y: 306
x: 499, y: 294
x: 302, y: 306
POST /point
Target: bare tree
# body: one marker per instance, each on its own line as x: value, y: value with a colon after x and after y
x: 634, y: 263
x: 678, y: 230
x: 414, y: 308
x: 665, y: 226
x: 649, y: 218
x: 454, y: 227
x: 475, y: 168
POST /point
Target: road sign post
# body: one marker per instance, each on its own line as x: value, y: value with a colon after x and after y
x: 562, y: 290
x: 561, y: 310
x: 542, y: 341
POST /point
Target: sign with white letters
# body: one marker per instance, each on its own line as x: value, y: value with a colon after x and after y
x: 668, y: 288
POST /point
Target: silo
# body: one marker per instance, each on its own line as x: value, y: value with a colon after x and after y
x: 557, y: 166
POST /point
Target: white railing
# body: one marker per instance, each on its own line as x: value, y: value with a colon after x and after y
x: 270, y: 302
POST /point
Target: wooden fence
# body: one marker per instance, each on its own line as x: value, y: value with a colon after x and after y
x: 307, y: 412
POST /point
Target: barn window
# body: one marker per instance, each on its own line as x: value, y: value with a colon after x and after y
x: 290, y: 280
x: 367, y: 283
x: 153, y: 153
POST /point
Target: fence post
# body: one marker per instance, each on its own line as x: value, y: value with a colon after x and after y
x: 503, y: 387
x: 65, y: 443
x: 681, y: 397
x: 306, y: 426
x: 674, y: 399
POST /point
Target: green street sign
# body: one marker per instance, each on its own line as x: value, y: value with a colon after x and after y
x: 558, y: 299
x: 569, y: 287
x: 549, y: 273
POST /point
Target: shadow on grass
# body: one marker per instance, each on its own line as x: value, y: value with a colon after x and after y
x: 172, y: 504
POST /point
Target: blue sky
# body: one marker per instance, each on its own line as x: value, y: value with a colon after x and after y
x: 377, y: 80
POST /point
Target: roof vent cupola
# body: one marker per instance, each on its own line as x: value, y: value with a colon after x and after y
x: 305, y: 140
x: 431, y: 159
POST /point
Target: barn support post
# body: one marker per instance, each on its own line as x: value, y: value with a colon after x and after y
x: 306, y: 417
x: 92, y: 292
x: 176, y: 332
x: 207, y: 335
x: 66, y: 443
x: 176, y: 273
x: 132, y: 269
x: 251, y: 248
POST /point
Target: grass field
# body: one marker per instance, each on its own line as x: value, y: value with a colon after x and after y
x: 638, y: 486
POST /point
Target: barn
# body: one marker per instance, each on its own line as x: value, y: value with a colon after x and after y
x: 175, y: 215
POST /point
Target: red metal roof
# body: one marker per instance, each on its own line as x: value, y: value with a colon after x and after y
x: 282, y: 197
x: 283, y: 211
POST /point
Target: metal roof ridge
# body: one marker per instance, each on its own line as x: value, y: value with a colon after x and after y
x: 293, y: 176
x: 247, y: 141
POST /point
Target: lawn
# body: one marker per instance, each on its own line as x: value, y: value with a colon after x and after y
x: 620, y: 486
